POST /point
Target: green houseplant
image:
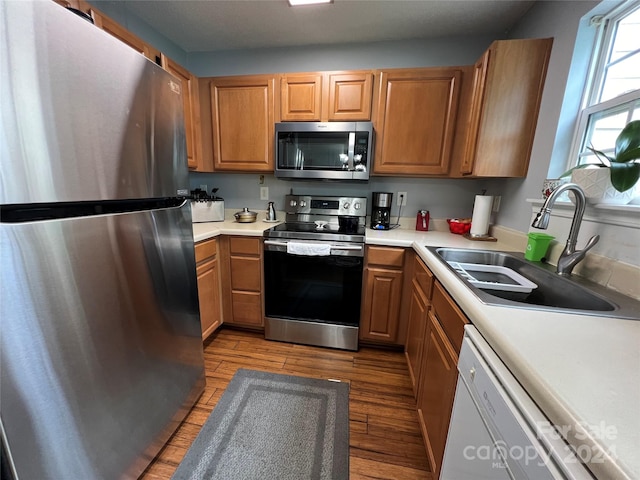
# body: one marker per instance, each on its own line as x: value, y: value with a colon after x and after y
x: 624, y: 163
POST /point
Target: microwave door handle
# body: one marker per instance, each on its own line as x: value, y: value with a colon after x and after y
x: 351, y: 150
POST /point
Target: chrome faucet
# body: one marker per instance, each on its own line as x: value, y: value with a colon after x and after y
x: 569, y: 257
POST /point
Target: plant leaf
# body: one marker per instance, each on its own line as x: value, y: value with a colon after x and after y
x: 599, y: 155
x: 628, y: 143
x: 624, y: 175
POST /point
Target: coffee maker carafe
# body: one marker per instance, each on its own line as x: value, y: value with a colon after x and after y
x: 381, y: 210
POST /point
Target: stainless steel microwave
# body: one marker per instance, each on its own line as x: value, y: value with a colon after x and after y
x: 332, y: 150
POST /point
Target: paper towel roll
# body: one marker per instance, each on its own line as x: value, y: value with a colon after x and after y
x: 481, y: 215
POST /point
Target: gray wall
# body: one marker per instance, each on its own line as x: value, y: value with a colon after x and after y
x: 412, y: 53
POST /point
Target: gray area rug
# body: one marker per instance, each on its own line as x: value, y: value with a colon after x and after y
x: 269, y: 426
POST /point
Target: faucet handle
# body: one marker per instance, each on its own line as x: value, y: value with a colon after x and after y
x: 592, y: 241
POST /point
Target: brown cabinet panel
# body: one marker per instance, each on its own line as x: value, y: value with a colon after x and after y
x: 418, y: 309
x: 423, y: 276
x: 507, y: 90
x: 451, y: 317
x: 243, y: 122
x: 247, y: 308
x: 350, y: 96
x: 383, y: 290
x: 245, y: 246
x: 243, y: 280
x: 436, y: 393
x: 389, y: 257
x: 209, y: 289
x: 383, y: 278
x: 191, y: 105
x: 125, y: 36
x: 243, y: 275
x: 415, y: 120
x: 301, y: 97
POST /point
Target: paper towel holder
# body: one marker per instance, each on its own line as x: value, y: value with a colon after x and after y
x: 482, y: 216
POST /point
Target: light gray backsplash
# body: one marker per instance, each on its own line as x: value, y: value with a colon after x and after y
x: 444, y: 198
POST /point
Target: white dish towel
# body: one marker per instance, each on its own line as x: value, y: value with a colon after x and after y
x: 309, y: 249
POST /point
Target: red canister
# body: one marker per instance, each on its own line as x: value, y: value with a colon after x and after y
x: 422, y: 220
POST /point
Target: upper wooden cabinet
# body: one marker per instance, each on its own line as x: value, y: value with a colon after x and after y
x: 124, y: 35
x: 191, y: 106
x: 415, y: 120
x: 326, y: 96
x: 300, y: 97
x: 243, y: 122
x: 503, y: 110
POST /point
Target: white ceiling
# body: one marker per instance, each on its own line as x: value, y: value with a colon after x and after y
x: 216, y: 25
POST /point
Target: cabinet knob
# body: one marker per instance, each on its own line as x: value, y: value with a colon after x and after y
x: 472, y: 373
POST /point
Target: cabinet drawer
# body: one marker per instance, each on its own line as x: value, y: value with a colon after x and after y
x: 244, y: 246
x: 450, y: 316
x: 423, y: 277
x: 206, y: 249
x: 389, y: 257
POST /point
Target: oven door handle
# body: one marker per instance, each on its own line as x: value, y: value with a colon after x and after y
x: 333, y: 247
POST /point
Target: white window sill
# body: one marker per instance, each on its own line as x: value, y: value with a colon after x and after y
x: 623, y: 215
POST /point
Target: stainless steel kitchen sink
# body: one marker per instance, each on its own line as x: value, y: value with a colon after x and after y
x: 553, y: 292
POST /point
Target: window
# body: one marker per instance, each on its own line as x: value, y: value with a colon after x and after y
x: 612, y: 98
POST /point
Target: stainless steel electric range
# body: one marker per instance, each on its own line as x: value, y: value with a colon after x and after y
x: 313, y: 271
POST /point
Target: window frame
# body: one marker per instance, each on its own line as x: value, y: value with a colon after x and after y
x: 607, y: 26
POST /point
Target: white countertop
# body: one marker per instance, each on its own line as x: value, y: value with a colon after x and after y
x: 582, y: 371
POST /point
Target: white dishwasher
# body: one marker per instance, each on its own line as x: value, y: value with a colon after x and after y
x: 496, y: 431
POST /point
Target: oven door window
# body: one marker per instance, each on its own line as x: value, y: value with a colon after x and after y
x: 319, y: 289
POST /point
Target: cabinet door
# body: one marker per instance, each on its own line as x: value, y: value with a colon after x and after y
x: 505, y: 107
x: 301, y: 97
x: 209, y: 294
x: 122, y: 34
x: 479, y: 82
x: 380, y: 316
x: 350, y: 96
x: 190, y: 102
x: 415, y: 121
x: 416, y: 333
x: 436, y: 391
x: 242, y: 116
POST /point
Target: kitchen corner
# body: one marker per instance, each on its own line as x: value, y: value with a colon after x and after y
x: 206, y: 230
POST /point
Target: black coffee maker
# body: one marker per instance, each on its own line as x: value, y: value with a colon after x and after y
x: 381, y: 210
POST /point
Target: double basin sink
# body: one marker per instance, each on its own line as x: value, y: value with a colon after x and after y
x: 553, y: 292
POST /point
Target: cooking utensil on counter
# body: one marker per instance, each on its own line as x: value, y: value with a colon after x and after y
x: 245, y: 216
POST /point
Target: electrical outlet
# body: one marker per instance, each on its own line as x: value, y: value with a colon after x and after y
x: 204, y: 187
x: 496, y: 204
x: 264, y: 193
x: 401, y: 199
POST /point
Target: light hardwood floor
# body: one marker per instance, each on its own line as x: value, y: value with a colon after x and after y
x: 384, y: 437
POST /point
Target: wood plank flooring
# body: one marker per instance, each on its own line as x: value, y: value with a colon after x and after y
x: 384, y: 437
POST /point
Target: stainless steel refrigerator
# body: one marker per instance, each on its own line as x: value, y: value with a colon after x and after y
x: 100, y: 341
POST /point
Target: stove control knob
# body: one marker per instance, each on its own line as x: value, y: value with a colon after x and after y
x: 303, y: 203
x: 293, y: 203
x: 356, y: 206
x: 346, y: 205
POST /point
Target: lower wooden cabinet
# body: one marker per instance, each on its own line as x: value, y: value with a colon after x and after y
x: 437, y: 384
x: 242, y: 288
x: 420, y: 302
x: 209, y: 294
x: 382, y: 294
x: 434, y: 337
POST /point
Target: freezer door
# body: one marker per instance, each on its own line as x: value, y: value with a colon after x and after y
x: 84, y: 117
x: 101, y: 348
